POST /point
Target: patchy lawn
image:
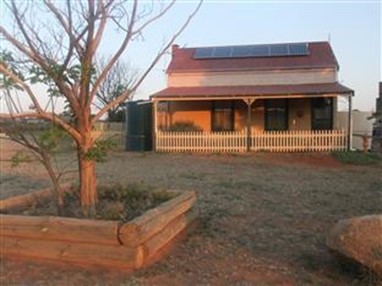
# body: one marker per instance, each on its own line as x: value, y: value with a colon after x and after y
x: 358, y: 158
x: 263, y: 219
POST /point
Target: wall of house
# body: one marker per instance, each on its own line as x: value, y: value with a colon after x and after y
x: 257, y: 115
x: 300, y: 117
x: 163, y: 116
x: 190, y: 111
x: 299, y: 114
x: 302, y: 76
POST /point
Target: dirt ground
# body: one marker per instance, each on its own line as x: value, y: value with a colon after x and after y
x: 263, y: 219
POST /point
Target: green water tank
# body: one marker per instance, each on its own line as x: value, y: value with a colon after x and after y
x: 139, y: 126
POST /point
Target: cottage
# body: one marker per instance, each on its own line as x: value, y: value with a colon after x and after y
x: 275, y: 97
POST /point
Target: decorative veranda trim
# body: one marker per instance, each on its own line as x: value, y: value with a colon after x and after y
x: 270, y: 141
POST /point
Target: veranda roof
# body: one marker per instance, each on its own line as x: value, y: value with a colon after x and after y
x: 205, y: 92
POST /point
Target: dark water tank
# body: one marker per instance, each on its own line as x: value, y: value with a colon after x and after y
x: 139, y: 126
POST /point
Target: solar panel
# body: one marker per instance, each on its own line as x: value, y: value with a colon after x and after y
x: 241, y: 51
x: 278, y: 50
x: 298, y: 49
x: 203, y: 53
x: 222, y: 52
x: 260, y: 51
x: 254, y: 51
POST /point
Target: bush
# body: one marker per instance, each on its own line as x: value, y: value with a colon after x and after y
x: 126, y: 202
x: 184, y: 126
x: 115, y: 202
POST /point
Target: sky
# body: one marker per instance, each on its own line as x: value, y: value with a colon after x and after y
x: 352, y: 27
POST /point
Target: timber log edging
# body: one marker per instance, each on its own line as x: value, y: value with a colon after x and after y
x: 127, y: 245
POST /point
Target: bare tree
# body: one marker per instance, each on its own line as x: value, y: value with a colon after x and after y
x: 120, y: 78
x: 58, y: 48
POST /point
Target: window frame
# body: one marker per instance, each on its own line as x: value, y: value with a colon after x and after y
x: 267, y: 106
x: 231, y: 107
x: 314, y: 124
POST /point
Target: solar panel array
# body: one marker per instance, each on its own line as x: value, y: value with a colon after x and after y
x: 254, y: 51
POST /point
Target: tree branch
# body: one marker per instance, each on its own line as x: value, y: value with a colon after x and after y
x: 86, y: 60
x: 36, y: 57
x: 27, y: 89
x: 124, y: 96
x: 156, y: 17
x: 47, y: 116
x: 103, y: 12
x: 119, y: 52
x: 66, y: 25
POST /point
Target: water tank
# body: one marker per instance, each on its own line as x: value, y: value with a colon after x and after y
x: 139, y: 126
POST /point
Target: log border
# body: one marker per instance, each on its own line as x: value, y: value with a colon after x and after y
x: 129, y: 245
x: 22, y: 201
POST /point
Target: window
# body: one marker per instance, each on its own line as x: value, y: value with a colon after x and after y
x: 276, y: 114
x: 222, y: 116
x: 322, y: 113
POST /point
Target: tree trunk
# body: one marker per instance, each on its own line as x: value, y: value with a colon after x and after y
x: 88, y: 189
x: 86, y: 164
x: 57, y: 191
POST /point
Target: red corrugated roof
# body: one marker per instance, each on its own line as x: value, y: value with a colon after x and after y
x: 320, y: 56
x: 256, y: 90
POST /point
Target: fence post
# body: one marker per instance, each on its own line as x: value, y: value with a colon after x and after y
x: 350, y: 123
x: 155, y: 125
x: 249, y: 102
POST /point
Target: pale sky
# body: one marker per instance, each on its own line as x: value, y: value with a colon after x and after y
x: 353, y: 28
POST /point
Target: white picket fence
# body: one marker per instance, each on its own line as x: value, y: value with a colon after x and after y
x: 270, y: 141
x: 299, y: 141
x: 201, y: 141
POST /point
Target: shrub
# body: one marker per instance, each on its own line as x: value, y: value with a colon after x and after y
x: 115, y: 202
x: 184, y: 126
x: 126, y: 202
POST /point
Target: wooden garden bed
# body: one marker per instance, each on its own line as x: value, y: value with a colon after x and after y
x: 95, y: 242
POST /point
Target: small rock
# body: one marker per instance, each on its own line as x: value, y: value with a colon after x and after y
x: 360, y: 239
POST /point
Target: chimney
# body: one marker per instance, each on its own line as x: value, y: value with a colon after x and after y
x: 174, y: 48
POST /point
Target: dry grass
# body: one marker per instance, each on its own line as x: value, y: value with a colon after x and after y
x: 263, y: 220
